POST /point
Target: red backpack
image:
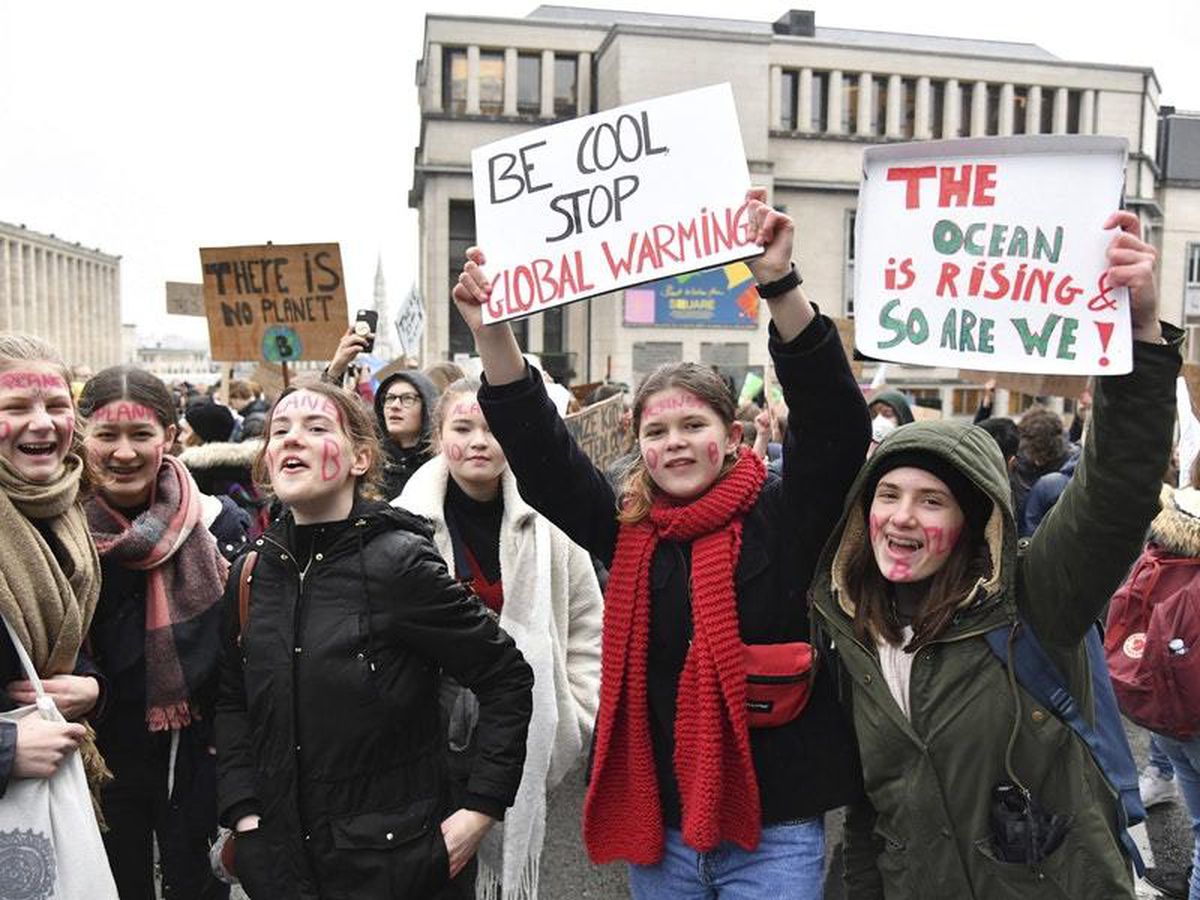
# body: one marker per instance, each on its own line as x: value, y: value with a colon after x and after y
x: 1153, y: 643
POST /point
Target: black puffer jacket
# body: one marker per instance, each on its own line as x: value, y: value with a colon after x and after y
x: 328, y: 723
x: 809, y: 765
x: 401, y: 462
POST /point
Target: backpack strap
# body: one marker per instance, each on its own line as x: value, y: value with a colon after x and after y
x: 244, y: 578
x: 1107, y: 743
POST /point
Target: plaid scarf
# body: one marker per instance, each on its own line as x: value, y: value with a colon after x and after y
x: 185, y: 576
x: 718, y: 789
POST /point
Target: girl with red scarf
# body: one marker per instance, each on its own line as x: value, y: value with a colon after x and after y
x: 696, y: 781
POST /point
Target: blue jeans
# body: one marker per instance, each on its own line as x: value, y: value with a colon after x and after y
x: 1158, y: 759
x: 789, y: 864
x: 1185, y: 757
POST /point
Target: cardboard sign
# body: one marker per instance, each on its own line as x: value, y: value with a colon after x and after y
x: 410, y: 323
x: 1071, y: 386
x: 185, y: 298
x: 597, y: 430
x: 845, y: 328
x: 990, y: 254
x: 622, y: 197
x: 277, y: 303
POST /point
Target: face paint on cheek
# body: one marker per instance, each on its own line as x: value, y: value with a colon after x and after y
x: 652, y: 460
x: 455, y: 452
x: 331, y: 459
x: 939, y: 541
x: 900, y: 571
x: 5, y: 431
x: 714, y: 453
x: 875, y: 526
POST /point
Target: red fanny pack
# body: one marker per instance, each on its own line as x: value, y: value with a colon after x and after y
x: 778, y: 682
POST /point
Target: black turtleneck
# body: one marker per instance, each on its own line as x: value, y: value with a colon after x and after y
x: 478, y: 525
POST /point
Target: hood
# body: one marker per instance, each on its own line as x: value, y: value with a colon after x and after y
x: 425, y: 494
x: 423, y: 386
x: 369, y: 517
x: 898, y: 403
x: 1176, y: 528
x: 221, y: 454
x: 971, y: 451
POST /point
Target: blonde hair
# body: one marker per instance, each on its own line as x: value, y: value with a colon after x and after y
x: 638, y: 488
x: 357, y: 424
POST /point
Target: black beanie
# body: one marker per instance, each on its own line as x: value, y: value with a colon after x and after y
x: 211, y: 421
x: 975, y: 505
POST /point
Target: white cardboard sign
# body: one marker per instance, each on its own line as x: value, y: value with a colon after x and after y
x: 628, y: 195
x: 410, y: 323
x: 989, y: 254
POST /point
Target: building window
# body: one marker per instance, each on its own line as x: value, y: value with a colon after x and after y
x: 937, y: 108
x: 1047, y: 123
x: 908, y: 107
x: 788, y: 95
x: 1191, y: 283
x: 529, y: 83
x: 649, y: 355
x: 965, y: 91
x: 878, y: 105
x: 1193, y: 265
x: 454, y: 80
x: 566, y: 86
x: 1019, y: 403
x: 848, y: 274
x: 850, y: 101
x: 1074, y: 101
x: 491, y: 82
x: 993, y: 109
x: 820, y: 90
x: 554, y: 324
x: 966, y: 401
x: 462, y: 236
x: 1020, y: 108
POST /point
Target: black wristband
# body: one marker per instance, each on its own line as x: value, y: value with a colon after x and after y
x: 781, y: 286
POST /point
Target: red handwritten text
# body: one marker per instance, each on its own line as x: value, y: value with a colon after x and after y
x: 331, y: 459
x: 683, y: 400
x: 16, y: 381
x: 964, y: 185
x: 123, y: 411
x: 714, y: 453
x: 651, y: 457
x: 307, y: 403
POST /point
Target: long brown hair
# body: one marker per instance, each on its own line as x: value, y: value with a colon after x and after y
x: 16, y: 348
x: 358, y: 424
x: 637, y: 490
x: 874, y: 610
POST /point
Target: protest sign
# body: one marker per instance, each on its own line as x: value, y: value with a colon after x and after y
x: 410, y: 323
x: 1035, y: 385
x: 845, y: 328
x: 277, y: 303
x: 990, y: 254
x: 615, y: 199
x: 597, y: 430
x: 185, y: 298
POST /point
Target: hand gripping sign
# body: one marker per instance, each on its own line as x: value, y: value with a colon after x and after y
x: 622, y: 197
x: 990, y: 254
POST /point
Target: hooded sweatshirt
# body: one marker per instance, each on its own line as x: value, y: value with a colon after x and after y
x: 924, y: 830
x: 401, y: 462
x: 895, y: 401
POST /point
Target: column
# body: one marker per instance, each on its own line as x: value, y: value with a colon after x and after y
x: 1060, y: 111
x: 922, y: 129
x: 1033, y: 110
x: 775, y: 123
x: 17, y: 280
x: 88, y: 314
x: 473, y: 80
x: 5, y: 286
x: 1087, y: 113
x: 804, y: 101
x: 584, y: 88
x: 112, y: 337
x: 547, y: 84
x: 866, y: 85
x: 979, y: 109
x: 1007, y: 98
x: 433, y: 79
x: 34, y: 286
x: 951, y: 108
x: 895, y: 102
x: 833, y: 103
x: 510, y: 81
x: 53, y: 308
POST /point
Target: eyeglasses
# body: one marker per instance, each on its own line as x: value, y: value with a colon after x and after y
x: 406, y: 400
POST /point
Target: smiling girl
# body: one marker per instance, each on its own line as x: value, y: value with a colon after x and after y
x: 50, y: 580
x: 544, y: 589
x: 703, y: 791
x: 331, y: 749
x: 155, y: 634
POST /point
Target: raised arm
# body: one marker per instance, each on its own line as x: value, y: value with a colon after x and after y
x: 1083, y: 548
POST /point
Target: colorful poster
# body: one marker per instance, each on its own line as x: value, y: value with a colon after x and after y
x: 620, y: 198
x: 989, y: 254
x: 723, y: 297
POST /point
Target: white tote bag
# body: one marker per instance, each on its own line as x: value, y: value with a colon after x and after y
x: 50, y: 845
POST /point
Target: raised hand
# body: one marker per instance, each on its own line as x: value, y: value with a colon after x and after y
x: 1131, y: 265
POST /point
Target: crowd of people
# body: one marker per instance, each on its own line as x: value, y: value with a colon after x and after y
x: 342, y: 643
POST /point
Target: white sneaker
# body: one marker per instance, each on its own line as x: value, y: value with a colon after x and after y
x: 1156, y: 788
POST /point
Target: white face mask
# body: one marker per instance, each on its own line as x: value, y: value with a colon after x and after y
x: 881, y: 427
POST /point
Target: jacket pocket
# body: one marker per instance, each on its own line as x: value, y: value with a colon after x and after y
x: 892, y: 864
x: 389, y: 853
x: 993, y: 877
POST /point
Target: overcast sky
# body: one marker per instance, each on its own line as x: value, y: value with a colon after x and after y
x: 152, y: 129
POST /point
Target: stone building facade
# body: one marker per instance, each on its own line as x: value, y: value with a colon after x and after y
x: 809, y: 100
x: 60, y: 291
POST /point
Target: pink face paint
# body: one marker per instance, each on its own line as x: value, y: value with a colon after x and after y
x: 5, y: 431
x: 652, y: 460
x: 465, y: 410
x: 714, y: 453
x: 875, y: 526
x: 331, y: 459
x: 671, y: 404
x: 37, y: 380
x: 455, y: 452
x: 124, y: 411
x: 940, y: 542
x: 900, y: 572
x: 306, y: 403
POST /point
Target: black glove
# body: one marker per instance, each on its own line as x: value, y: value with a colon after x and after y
x: 252, y: 863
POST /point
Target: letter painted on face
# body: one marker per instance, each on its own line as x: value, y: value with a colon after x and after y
x: 331, y: 459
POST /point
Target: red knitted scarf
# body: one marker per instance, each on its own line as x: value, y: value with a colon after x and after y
x: 622, y: 816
